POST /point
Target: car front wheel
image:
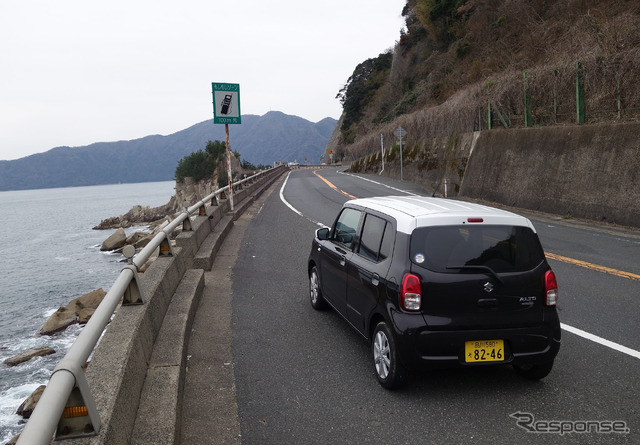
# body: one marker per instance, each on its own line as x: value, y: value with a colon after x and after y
x: 389, y: 371
x: 317, y: 300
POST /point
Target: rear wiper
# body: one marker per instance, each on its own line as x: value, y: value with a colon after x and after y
x: 477, y: 267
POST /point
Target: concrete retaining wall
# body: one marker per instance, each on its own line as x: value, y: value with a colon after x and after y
x: 586, y: 171
x: 116, y: 373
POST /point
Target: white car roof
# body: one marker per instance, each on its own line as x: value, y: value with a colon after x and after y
x: 421, y: 211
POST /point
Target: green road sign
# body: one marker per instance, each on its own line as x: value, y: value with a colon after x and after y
x: 226, y: 103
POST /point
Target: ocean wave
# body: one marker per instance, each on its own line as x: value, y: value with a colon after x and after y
x: 10, y: 400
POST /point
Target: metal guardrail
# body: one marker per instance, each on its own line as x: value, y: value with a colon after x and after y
x: 66, y: 408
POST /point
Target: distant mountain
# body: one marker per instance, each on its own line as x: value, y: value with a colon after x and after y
x: 259, y: 139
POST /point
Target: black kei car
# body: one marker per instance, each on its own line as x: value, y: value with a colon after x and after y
x: 433, y: 283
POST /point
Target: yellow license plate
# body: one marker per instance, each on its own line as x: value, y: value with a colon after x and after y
x: 484, y: 351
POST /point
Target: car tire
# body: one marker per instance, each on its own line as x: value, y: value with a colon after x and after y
x: 389, y: 371
x: 534, y: 372
x: 315, y: 293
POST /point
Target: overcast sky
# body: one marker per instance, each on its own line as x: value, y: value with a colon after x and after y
x: 74, y: 72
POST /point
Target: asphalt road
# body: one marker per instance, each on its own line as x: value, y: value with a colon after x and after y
x: 304, y: 377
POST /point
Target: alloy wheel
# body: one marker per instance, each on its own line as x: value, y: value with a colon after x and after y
x: 381, y: 354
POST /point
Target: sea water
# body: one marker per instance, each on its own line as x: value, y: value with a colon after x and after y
x: 49, y: 255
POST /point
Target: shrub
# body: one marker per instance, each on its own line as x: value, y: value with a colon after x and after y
x: 202, y: 163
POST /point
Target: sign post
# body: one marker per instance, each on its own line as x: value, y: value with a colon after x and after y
x: 226, y: 110
x: 382, y: 149
x: 400, y: 133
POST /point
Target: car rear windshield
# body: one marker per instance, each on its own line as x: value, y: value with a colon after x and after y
x: 455, y: 248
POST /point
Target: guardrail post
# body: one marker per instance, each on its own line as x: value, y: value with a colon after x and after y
x: 186, y: 224
x: 133, y: 293
x: 80, y: 417
x: 165, y: 247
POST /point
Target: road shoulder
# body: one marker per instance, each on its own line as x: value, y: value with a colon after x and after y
x: 210, y: 408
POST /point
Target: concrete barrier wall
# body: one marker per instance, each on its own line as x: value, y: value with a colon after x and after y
x: 586, y: 171
x: 117, y: 370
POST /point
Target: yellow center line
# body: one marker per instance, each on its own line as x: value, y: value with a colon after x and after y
x: 315, y: 172
x: 619, y: 273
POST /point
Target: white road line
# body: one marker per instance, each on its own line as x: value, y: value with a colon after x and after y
x: 284, y: 184
x: 379, y: 183
x: 600, y: 340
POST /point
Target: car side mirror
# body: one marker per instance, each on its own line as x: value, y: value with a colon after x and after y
x: 322, y: 234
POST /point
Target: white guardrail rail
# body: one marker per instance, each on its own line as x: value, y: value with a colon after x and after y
x: 66, y: 408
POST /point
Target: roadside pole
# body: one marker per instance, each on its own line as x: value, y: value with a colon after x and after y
x: 226, y: 110
x: 382, y: 149
x: 226, y: 132
x: 399, y: 133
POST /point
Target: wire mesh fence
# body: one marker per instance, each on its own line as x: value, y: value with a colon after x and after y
x: 593, y: 90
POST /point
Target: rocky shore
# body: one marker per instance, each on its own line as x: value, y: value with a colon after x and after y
x: 186, y: 194
x: 80, y: 309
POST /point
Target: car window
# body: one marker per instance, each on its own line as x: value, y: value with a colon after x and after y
x: 502, y: 248
x: 371, y: 238
x: 344, y: 231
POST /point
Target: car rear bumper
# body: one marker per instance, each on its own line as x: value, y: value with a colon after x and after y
x: 422, y: 348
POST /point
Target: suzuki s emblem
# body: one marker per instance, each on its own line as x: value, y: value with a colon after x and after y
x: 488, y: 287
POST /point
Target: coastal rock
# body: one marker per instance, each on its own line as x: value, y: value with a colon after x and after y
x: 84, y: 315
x: 138, y: 216
x: 27, y: 407
x: 28, y: 355
x: 112, y: 222
x: 79, y: 310
x: 139, y: 239
x: 90, y: 300
x: 59, y: 321
x: 115, y: 241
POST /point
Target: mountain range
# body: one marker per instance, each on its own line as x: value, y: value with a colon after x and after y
x: 274, y: 136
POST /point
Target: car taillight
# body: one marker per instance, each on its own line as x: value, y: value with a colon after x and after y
x: 411, y: 293
x: 551, y: 288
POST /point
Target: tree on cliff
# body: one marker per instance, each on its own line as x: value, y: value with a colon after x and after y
x: 202, y: 163
x: 211, y: 162
x: 361, y: 88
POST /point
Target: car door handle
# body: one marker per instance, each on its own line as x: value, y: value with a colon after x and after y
x: 375, y: 279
